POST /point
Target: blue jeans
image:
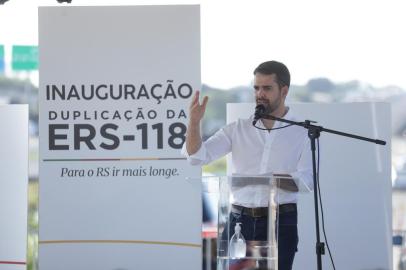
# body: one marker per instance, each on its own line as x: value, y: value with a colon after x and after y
x: 257, y: 229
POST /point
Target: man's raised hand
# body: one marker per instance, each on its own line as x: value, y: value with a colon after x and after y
x: 197, y: 109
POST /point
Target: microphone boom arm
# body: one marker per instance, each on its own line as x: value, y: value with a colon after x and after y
x: 307, y: 124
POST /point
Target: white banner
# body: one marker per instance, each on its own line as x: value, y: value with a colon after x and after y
x: 355, y: 186
x: 13, y: 186
x: 115, y: 84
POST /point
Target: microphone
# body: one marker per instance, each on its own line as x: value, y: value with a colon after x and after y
x: 259, y: 111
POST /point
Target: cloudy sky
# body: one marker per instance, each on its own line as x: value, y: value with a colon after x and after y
x: 338, y: 39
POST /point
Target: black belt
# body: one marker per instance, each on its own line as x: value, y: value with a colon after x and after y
x: 287, y: 207
x: 262, y: 211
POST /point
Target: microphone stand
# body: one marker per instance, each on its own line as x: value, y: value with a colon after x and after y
x: 313, y: 134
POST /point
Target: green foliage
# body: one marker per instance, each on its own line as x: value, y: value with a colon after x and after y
x: 32, y: 245
x: 14, y: 84
x: 215, y: 116
x: 17, y: 91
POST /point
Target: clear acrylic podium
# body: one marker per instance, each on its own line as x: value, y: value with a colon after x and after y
x: 253, y: 197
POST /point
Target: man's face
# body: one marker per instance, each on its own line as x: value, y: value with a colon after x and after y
x: 268, y: 92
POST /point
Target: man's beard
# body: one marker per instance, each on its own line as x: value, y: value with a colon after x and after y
x: 270, y: 107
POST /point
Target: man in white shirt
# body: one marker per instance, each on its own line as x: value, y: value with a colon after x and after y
x: 283, y: 151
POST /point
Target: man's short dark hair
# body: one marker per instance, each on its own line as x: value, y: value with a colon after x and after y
x: 277, y: 68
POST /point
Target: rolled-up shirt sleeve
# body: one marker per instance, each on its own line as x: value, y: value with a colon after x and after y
x: 213, y: 148
x: 197, y: 158
x: 304, y: 174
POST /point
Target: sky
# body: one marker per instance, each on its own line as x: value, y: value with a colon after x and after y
x: 341, y: 40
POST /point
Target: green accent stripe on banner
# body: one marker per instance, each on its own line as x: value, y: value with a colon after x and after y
x: 142, y: 242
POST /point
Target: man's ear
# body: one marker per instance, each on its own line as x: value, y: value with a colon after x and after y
x: 285, y: 90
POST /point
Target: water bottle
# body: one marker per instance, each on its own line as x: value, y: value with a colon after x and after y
x: 238, y: 247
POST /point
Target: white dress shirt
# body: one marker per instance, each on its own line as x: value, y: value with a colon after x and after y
x: 260, y: 152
